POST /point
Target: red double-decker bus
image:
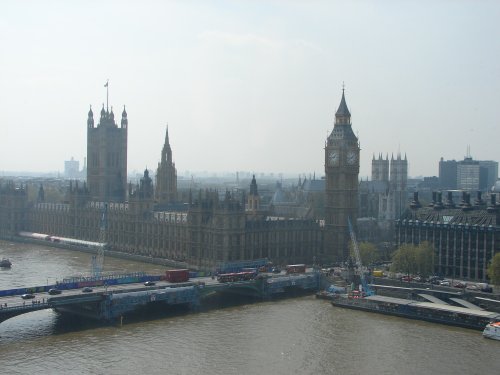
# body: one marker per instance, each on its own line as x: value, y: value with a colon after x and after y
x: 177, y: 276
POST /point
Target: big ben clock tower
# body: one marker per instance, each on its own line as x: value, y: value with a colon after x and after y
x: 341, y: 188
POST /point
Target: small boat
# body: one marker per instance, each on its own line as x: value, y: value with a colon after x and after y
x: 5, y: 263
x: 331, y: 292
x: 492, y: 331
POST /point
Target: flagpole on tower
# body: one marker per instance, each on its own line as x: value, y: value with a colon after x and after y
x: 107, y: 94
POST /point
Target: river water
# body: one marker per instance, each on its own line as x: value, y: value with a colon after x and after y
x: 292, y: 336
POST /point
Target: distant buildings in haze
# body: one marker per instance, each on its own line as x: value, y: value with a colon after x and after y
x: 72, y: 169
x: 467, y: 174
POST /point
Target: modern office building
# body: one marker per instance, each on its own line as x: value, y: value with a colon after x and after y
x: 448, y: 174
x: 464, y: 234
x: 72, y: 169
x: 468, y: 174
x: 488, y: 174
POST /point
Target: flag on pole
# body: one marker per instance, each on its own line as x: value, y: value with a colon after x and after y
x: 106, y: 85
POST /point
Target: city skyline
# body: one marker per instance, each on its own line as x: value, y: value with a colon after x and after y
x: 251, y: 86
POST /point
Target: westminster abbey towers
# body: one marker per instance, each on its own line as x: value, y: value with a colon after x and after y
x: 341, y: 188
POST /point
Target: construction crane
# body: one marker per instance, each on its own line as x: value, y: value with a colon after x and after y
x: 98, y: 259
x: 364, y: 284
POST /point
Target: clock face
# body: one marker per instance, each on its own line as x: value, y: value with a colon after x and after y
x: 351, y: 157
x: 333, y: 158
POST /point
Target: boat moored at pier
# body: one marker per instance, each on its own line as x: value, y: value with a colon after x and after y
x: 492, y: 331
x: 428, y: 311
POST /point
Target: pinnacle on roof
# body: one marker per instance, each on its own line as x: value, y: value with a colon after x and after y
x: 253, y: 187
x: 166, y: 152
x: 343, y: 110
x: 124, y: 118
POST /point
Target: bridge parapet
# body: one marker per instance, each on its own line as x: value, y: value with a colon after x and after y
x: 108, y: 305
x: 121, y: 303
x: 308, y: 281
x: 267, y: 286
x: 7, y: 312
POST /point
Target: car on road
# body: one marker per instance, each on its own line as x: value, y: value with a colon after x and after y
x: 444, y: 283
x: 86, y: 290
x: 27, y: 296
x: 54, y: 291
x: 435, y: 280
x: 472, y: 287
x: 487, y: 289
x: 149, y: 283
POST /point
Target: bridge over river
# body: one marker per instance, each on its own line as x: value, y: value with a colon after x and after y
x: 107, y: 300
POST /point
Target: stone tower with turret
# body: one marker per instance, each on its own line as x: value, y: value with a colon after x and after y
x: 141, y: 197
x: 107, y: 157
x: 380, y: 168
x: 166, y: 176
x: 253, y: 199
x: 341, y: 189
x: 398, y: 184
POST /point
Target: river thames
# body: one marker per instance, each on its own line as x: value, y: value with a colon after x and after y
x: 291, y: 336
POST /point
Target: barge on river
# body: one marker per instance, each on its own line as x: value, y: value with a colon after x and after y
x: 428, y: 311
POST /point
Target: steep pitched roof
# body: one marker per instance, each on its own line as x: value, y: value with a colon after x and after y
x: 343, y: 110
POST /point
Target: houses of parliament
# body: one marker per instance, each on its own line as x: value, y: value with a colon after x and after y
x: 207, y: 229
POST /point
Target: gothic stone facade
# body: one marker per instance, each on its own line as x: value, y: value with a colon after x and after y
x: 166, y: 176
x: 341, y: 190
x: 13, y: 202
x: 107, y: 157
x: 212, y: 230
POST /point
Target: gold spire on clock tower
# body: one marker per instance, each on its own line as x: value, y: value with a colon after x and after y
x: 341, y: 188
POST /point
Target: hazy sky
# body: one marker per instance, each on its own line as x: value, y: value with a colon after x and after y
x: 250, y: 85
